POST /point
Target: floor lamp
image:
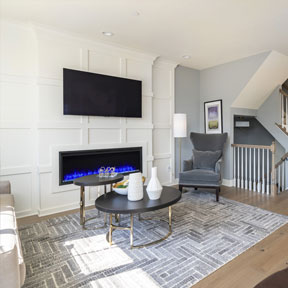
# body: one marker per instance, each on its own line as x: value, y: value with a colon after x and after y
x: 180, y: 130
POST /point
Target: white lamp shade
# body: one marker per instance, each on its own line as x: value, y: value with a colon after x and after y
x: 180, y: 125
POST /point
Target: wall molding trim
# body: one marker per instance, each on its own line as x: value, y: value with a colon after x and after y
x: 32, y: 75
x: 227, y: 182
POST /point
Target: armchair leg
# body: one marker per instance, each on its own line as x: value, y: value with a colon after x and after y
x: 217, y: 194
x: 180, y: 188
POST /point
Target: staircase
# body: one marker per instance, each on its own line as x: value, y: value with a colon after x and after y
x: 284, y: 112
x: 281, y: 174
x: 254, y: 169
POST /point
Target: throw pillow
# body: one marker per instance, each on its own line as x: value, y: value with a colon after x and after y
x: 205, y: 159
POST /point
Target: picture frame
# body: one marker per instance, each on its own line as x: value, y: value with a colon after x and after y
x: 213, y: 117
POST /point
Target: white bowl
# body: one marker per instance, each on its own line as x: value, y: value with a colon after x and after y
x: 121, y: 191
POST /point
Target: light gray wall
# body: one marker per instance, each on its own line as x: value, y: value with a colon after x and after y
x: 257, y: 134
x: 269, y: 113
x: 187, y: 100
x: 226, y: 82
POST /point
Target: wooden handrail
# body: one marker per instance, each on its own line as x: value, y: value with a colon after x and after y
x: 252, y: 146
x: 283, y: 92
x: 282, y: 159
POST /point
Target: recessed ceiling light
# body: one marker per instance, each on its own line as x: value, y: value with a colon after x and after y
x: 107, y: 34
x: 186, y: 56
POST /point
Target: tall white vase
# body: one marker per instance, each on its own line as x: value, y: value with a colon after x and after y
x: 135, y: 187
x: 154, y: 188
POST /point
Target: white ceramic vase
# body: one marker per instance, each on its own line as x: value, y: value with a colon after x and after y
x: 154, y: 188
x: 135, y: 187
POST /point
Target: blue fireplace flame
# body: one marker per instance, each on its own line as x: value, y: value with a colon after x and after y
x: 77, y: 174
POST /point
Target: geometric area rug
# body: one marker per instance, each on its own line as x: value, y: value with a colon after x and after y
x: 206, y: 235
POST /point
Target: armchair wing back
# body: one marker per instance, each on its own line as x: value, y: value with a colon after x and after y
x: 208, y: 142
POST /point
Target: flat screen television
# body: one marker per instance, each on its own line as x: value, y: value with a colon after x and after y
x: 92, y: 94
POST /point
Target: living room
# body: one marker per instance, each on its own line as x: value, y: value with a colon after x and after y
x: 213, y: 68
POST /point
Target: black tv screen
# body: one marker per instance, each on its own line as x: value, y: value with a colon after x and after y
x: 94, y: 94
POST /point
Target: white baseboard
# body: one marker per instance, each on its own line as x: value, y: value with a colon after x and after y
x: 227, y: 182
x: 25, y: 213
x: 175, y: 182
x: 62, y: 208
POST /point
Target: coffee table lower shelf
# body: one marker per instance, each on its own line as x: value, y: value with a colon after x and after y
x: 132, y: 246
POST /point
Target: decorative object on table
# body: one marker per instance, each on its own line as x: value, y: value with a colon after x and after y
x: 112, y: 172
x: 180, y: 131
x: 107, y: 172
x: 122, y: 187
x: 154, y: 188
x: 101, y: 171
x: 213, y: 117
x: 135, y: 187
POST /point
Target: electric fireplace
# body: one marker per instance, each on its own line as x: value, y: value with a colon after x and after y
x: 75, y: 164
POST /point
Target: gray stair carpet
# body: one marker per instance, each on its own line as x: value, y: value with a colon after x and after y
x: 206, y: 235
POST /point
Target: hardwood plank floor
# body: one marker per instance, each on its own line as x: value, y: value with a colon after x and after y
x: 245, y: 271
x: 263, y: 259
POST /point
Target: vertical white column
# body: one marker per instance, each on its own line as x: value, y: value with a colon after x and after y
x: 286, y: 113
x: 268, y: 172
x: 282, y: 110
x: 238, y: 167
x: 279, y: 178
x: 242, y: 168
x: 283, y: 176
x: 246, y: 168
x: 263, y: 171
x: 258, y: 169
x: 234, y: 166
x: 254, y: 169
x: 285, y: 171
x: 250, y: 169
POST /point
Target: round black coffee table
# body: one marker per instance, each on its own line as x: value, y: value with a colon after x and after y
x: 93, y: 180
x: 114, y: 203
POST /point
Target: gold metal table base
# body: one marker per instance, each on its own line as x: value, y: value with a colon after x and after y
x: 83, y: 219
x: 132, y: 246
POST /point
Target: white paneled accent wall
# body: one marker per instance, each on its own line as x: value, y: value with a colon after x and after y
x: 33, y: 128
x: 163, y: 109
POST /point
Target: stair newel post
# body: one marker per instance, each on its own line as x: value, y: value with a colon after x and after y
x: 273, y: 170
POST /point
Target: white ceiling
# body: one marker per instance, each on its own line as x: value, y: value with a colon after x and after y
x: 211, y: 31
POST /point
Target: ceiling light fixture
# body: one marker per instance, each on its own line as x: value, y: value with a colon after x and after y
x: 109, y: 34
x: 186, y: 56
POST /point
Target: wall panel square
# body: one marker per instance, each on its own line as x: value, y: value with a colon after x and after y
x: 161, y: 111
x: 16, y: 101
x: 104, y: 136
x: 16, y: 148
x: 162, y: 82
x: 161, y: 141
x: 55, y: 137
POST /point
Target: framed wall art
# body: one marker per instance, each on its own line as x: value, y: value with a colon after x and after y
x: 213, y: 117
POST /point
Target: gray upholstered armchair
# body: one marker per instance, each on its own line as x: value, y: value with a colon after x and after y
x: 204, y: 168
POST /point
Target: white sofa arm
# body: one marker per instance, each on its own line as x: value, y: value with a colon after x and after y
x: 5, y: 187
